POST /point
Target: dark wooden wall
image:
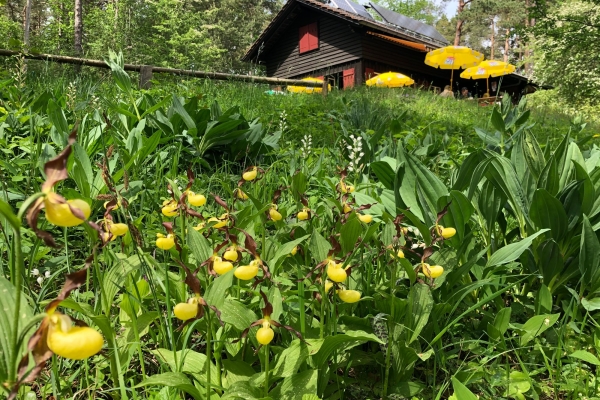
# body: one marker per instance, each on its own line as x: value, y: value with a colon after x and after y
x: 339, y: 43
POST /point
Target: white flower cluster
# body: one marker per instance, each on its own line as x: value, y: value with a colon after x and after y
x: 40, y: 278
x: 306, y: 146
x: 355, y: 153
x: 283, y: 121
x: 71, y: 95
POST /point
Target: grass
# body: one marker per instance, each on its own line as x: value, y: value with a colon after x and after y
x: 506, y: 319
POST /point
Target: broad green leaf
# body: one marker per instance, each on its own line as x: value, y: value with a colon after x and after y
x: 543, y: 300
x: 461, y: 392
x: 384, y: 172
x: 420, y: 304
x: 318, y: 247
x: 7, y: 212
x: 548, y: 212
x: 349, y: 233
x: 242, y: 390
x: 237, y: 314
x: 591, y: 305
x: 237, y: 371
x: 497, y: 120
x: 188, y: 361
x: 585, y: 356
x: 536, y: 325
x: 200, y: 247
x: 512, y: 251
x: 295, y: 386
x: 589, y: 257
x: 334, y: 342
x: 274, y: 296
x: 459, y: 212
x: 534, y: 156
x: 550, y: 260
x: 518, y: 383
x: 82, y: 170
x: 284, y: 250
x: 7, y: 305
x: 217, y: 290
x: 416, y: 222
x: 114, y: 279
x: 290, y: 359
x: 173, y: 379
x: 501, y: 322
x: 187, y: 120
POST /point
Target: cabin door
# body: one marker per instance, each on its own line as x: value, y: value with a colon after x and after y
x: 348, y: 78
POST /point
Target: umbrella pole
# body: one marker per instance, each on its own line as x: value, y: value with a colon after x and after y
x: 487, y: 79
x: 451, y: 78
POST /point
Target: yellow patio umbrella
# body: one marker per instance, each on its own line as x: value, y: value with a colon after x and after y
x: 306, y: 89
x: 486, y: 69
x: 390, y: 79
x: 453, y: 57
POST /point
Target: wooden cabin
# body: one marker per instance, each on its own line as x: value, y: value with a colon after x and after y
x: 348, y: 43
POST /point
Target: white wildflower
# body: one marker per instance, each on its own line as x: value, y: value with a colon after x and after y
x: 47, y: 274
x: 35, y: 272
x: 40, y: 280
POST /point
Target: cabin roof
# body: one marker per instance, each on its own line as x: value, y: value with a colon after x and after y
x: 355, y: 14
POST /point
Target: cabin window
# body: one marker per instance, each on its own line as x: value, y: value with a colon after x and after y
x: 348, y: 78
x: 309, y: 37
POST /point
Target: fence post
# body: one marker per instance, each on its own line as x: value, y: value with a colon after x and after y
x: 324, y: 87
x: 145, y: 77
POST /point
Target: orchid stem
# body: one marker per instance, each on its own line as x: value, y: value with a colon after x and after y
x: 266, y: 370
x: 18, y: 282
x: 208, y: 353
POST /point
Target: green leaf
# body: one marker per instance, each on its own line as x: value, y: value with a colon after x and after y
x: 536, y: 325
x: 518, y: 383
x: 173, y: 379
x: 384, y: 172
x: 237, y: 371
x: 7, y: 305
x: 585, y: 356
x: 500, y: 325
x: 199, y: 245
x: 318, y: 247
x: 7, y: 212
x: 242, y: 390
x: 294, y: 387
x: 334, y: 342
x: 217, y: 290
x: 291, y: 359
x: 420, y: 304
x: 589, y: 257
x: 349, y: 233
x: 187, y: 120
x: 284, y: 250
x: 497, y: 120
x: 591, y: 305
x: 190, y: 362
x: 461, y: 392
x: 548, y: 212
x: 235, y: 313
x: 512, y: 251
x: 114, y: 279
x: 82, y: 170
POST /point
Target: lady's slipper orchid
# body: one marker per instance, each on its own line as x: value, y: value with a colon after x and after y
x: 265, y: 334
x: 221, y: 267
x: 304, y: 214
x: 169, y: 208
x: 432, y: 271
x: 366, y: 218
x: 247, y: 272
x: 220, y: 222
x: 239, y: 193
x: 186, y: 311
x: 231, y: 254
x: 328, y: 285
x: 346, y: 188
x: 165, y: 242
x: 274, y: 214
x: 335, y: 272
x: 118, y: 229
x: 250, y: 175
x: 74, y: 342
x: 294, y: 251
x: 400, y: 254
x: 60, y: 214
x: 346, y: 208
x: 197, y: 200
x: 447, y: 233
x: 349, y: 296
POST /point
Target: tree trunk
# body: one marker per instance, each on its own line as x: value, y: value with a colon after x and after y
x: 27, y: 24
x: 459, y: 22
x: 78, y: 27
x: 506, y: 45
x: 492, y: 40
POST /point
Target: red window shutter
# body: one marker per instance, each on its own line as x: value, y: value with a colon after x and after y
x: 348, y: 78
x: 369, y: 73
x: 313, y: 36
x: 303, y: 42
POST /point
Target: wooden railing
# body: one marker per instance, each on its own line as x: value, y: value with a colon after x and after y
x: 146, y: 71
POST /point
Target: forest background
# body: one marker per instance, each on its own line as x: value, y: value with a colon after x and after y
x: 552, y: 42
